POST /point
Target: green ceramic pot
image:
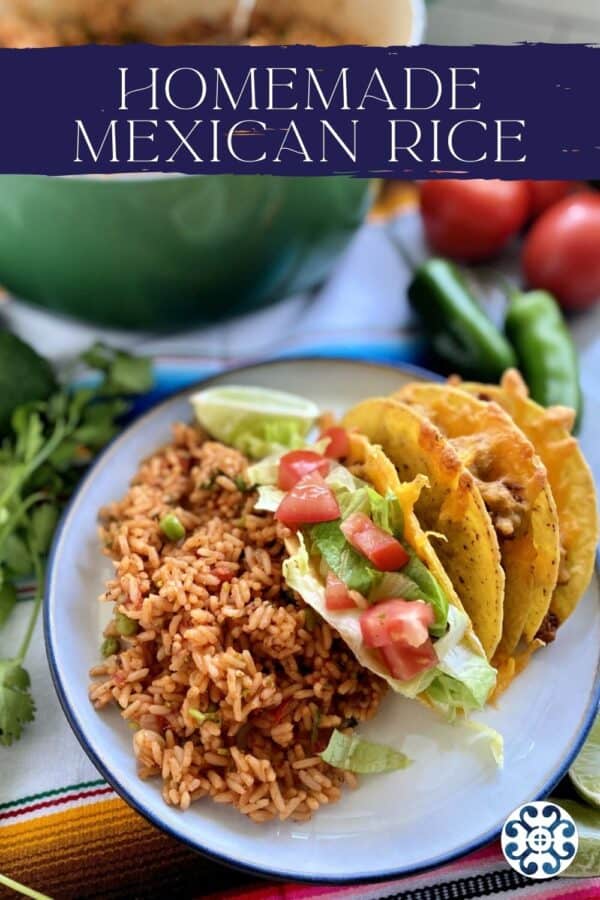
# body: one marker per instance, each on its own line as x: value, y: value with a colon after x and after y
x: 168, y: 251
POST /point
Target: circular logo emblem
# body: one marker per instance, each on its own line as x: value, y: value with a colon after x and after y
x: 539, y: 840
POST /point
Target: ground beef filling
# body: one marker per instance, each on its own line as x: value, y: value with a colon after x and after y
x: 505, y: 499
x: 505, y: 504
x: 548, y: 628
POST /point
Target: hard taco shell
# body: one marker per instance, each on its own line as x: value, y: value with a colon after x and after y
x: 451, y: 509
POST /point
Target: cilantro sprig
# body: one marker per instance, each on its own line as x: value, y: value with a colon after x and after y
x: 51, y: 438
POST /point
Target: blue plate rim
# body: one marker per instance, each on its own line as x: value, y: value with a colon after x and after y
x: 180, y: 835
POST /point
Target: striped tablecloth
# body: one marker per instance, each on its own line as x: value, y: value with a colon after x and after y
x: 63, y: 831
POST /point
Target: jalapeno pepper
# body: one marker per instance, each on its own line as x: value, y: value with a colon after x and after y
x: 459, y: 330
x: 545, y: 350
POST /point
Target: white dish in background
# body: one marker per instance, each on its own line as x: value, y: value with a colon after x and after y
x: 450, y: 801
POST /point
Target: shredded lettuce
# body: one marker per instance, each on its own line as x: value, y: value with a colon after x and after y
x: 483, y: 734
x: 354, y: 495
x: 269, y: 498
x: 395, y: 584
x: 461, y: 681
x: 265, y: 471
x: 343, y: 560
x: 449, y: 694
x: 301, y: 576
x: 415, y: 582
x: 457, y: 626
x: 341, y: 479
x: 355, y: 754
x: 430, y: 590
x: 464, y: 681
x: 386, y: 512
x: 351, y: 502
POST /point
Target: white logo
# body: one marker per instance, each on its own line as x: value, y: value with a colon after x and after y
x: 539, y: 840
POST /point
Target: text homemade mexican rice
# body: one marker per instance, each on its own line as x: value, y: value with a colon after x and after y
x: 218, y: 633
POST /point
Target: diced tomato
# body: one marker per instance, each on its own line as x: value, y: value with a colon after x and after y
x: 374, y: 629
x: 339, y: 442
x: 337, y: 595
x: 311, y: 500
x: 389, y: 621
x: 380, y: 548
x: 399, y: 630
x: 404, y: 662
x: 296, y: 464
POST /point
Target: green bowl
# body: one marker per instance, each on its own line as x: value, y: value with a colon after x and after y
x: 166, y: 251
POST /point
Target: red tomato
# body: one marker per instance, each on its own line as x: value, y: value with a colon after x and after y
x: 561, y: 253
x: 392, y: 621
x: 380, y: 548
x: 339, y: 443
x: 337, y: 595
x: 546, y: 193
x: 473, y: 219
x: 311, y: 500
x: 404, y: 662
x: 296, y: 464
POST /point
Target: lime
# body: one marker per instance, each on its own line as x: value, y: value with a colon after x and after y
x: 257, y: 421
x: 585, y: 771
x: 587, y: 861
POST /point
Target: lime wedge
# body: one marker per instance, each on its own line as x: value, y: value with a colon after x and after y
x: 587, y: 861
x: 257, y: 421
x: 585, y: 771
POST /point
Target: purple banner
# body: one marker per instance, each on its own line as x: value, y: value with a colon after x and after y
x: 526, y: 111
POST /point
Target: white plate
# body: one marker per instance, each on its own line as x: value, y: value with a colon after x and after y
x: 449, y: 802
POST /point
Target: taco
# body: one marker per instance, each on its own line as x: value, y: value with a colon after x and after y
x: 513, y: 483
x: 372, y: 572
x: 451, y: 510
x: 360, y: 558
x: 571, y: 483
